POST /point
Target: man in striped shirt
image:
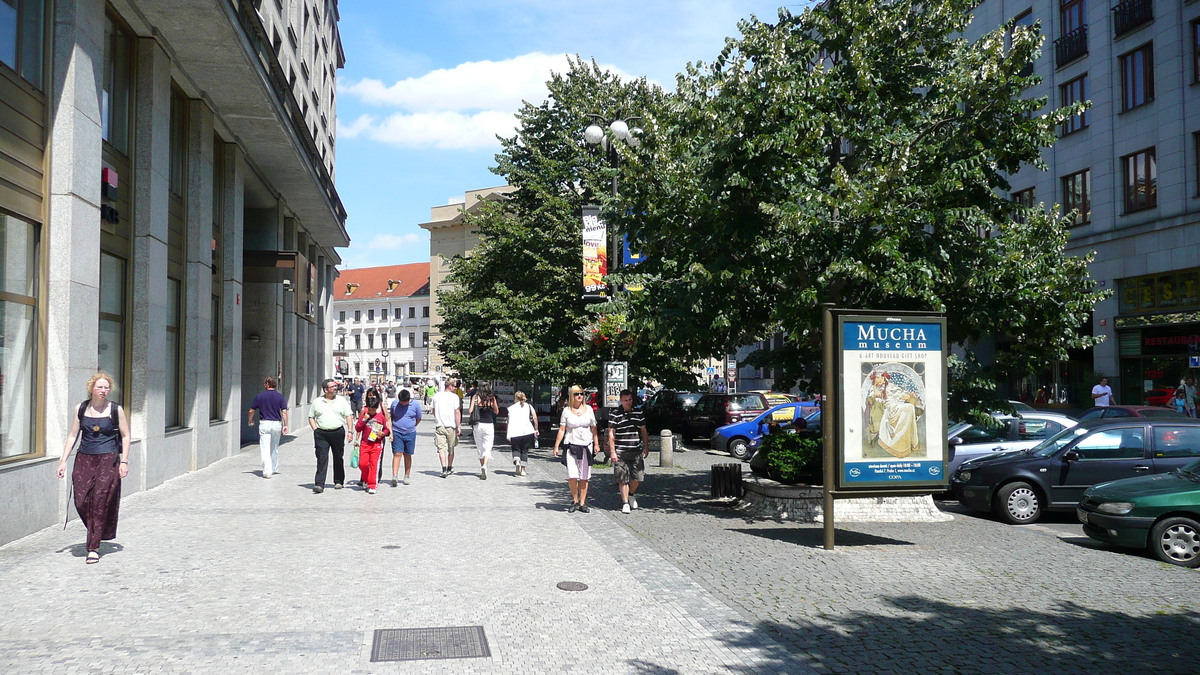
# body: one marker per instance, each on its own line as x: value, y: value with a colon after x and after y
x: 628, y: 445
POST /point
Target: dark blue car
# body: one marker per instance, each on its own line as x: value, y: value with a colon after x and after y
x: 738, y: 438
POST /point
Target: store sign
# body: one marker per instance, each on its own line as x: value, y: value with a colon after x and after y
x: 1171, y: 291
x: 595, y: 253
x: 891, y: 402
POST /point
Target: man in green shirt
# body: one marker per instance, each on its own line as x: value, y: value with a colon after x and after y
x: 332, y: 422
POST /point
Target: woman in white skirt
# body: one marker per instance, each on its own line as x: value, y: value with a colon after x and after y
x: 578, y: 426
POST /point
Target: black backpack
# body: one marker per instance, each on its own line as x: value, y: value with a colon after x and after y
x: 112, y: 414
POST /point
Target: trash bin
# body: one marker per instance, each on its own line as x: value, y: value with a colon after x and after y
x: 727, y: 481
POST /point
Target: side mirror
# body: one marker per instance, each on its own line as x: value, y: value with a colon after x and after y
x: 1071, y: 456
x: 957, y: 440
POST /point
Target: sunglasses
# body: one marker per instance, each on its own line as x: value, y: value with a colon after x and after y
x: 577, y: 394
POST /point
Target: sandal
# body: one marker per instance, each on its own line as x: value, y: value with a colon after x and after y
x: 92, y: 558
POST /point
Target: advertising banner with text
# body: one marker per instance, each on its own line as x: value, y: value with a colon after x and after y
x: 595, y: 252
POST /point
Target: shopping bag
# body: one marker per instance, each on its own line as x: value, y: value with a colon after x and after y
x: 354, y: 457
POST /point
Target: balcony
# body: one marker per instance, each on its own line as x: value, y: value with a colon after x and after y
x: 1131, y: 14
x: 1071, y: 46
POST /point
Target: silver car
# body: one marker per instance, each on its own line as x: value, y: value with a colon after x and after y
x: 1007, y: 433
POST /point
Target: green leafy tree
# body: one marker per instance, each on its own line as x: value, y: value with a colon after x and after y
x: 855, y: 154
x: 517, y: 311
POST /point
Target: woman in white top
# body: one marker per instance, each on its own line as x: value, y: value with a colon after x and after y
x: 522, y: 431
x: 578, y: 424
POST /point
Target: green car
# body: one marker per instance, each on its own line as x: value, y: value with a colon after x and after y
x: 1160, y: 512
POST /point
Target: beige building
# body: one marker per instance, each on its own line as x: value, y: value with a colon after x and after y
x: 448, y: 237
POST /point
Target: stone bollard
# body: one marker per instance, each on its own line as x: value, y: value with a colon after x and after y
x: 665, y: 450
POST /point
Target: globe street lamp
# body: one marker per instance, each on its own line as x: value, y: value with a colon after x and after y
x: 618, y: 129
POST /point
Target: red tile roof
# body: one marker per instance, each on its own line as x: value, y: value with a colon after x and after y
x: 373, y: 282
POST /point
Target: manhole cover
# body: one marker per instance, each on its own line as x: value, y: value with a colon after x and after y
x: 413, y: 644
x: 571, y: 586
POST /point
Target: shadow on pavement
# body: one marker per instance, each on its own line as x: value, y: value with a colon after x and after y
x: 813, y: 537
x: 936, y: 637
x: 80, y: 550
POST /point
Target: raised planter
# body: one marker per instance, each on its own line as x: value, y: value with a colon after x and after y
x: 805, y: 504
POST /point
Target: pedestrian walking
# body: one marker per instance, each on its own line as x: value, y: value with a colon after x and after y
x: 406, y: 415
x: 628, y: 445
x: 430, y: 392
x: 102, y: 461
x: 1189, y: 396
x: 332, y: 422
x: 373, y: 427
x: 447, y: 425
x: 578, y: 426
x: 272, y: 424
x: 484, y: 403
x: 1102, y: 394
x: 522, y: 432
x: 356, y: 396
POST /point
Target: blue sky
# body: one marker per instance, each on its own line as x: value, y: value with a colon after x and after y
x: 427, y: 85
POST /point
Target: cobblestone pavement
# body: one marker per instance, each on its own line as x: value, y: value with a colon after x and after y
x: 222, y: 571
x: 968, y: 596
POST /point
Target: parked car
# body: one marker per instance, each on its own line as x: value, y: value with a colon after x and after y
x: 1020, y: 485
x: 1160, y: 512
x: 775, y: 398
x: 667, y: 409
x: 1021, y: 406
x: 738, y: 438
x: 1117, y: 411
x: 1006, y: 432
x: 1158, y: 396
x: 717, y: 410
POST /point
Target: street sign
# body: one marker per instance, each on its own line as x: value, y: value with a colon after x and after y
x: 616, y: 378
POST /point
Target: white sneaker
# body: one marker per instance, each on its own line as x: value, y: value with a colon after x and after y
x: 632, y: 502
x: 406, y: 480
x: 370, y: 491
x: 625, y: 507
x: 266, y: 475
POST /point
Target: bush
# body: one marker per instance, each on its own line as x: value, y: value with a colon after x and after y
x: 792, y: 458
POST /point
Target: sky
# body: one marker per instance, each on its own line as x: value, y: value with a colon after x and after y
x: 428, y: 85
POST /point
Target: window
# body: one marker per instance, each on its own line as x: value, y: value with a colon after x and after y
x: 178, y: 142
x: 1112, y: 444
x: 1141, y: 180
x: 1025, y: 20
x: 1037, y: 430
x: 357, y: 368
x: 358, y: 342
x: 370, y: 315
x: 1024, y: 199
x: 216, y: 408
x: 370, y: 342
x: 1077, y: 196
x: 989, y: 431
x: 425, y: 311
x: 412, y: 366
x: 114, y: 96
x: 174, y: 380
x: 1137, y: 77
x: 1195, y: 26
x: 341, y: 343
x: 1176, y: 442
x: 111, y: 342
x: 383, y: 314
x: 357, y: 315
x: 1074, y: 91
x: 1072, y: 15
x: 18, y: 325
x: 397, y: 338
x: 342, y: 316
x: 424, y: 339
x: 22, y: 23
x: 412, y: 312
x: 412, y: 340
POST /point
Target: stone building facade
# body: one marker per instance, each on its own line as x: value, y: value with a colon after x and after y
x: 1130, y: 167
x: 167, y: 214
x: 381, y: 322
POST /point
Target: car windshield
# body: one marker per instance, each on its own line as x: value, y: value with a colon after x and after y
x: 1051, y: 445
x: 1191, y: 470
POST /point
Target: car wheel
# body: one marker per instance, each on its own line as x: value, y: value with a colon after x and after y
x: 1176, y: 541
x: 740, y: 448
x: 1018, y: 503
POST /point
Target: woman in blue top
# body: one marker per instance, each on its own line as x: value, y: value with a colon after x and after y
x: 100, y: 464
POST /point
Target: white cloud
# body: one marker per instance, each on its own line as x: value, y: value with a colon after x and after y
x: 393, y: 241
x: 464, y: 107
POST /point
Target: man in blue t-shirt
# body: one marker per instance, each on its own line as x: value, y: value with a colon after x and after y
x: 273, y: 423
x: 356, y: 395
x: 406, y: 415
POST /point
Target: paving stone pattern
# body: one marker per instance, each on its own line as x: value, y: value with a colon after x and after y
x: 222, y: 571
x: 967, y: 596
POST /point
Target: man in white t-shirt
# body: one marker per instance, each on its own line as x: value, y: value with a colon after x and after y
x: 447, y: 420
x: 1102, y: 394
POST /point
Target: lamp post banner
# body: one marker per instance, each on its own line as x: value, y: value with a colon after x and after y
x: 595, y: 252
x: 892, y: 417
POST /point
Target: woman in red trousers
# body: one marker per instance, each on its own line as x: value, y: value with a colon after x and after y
x: 373, y: 428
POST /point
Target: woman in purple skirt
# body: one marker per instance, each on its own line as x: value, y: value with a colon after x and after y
x: 100, y: 464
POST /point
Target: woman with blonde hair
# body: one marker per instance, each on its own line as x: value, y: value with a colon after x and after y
x: 522, y: 431
x: 578, y: 425
x: 101, y: 462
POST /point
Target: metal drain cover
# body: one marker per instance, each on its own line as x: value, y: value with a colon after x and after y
x: 572, y: 586
x: 415, y: 644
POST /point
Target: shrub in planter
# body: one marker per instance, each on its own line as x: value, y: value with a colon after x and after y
x: 792, y: 458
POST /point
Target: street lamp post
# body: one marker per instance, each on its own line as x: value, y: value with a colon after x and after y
x: 618, y: 130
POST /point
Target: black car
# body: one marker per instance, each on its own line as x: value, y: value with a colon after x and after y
x: 1020, y: 484
x: 667, y: 409
x: 716, y: 410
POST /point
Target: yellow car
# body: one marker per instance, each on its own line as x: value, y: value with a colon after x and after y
x: 774, y: 398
